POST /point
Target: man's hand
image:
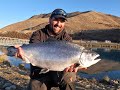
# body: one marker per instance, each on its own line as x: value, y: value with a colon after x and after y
x: 20, y: 52
x: 73, y: 68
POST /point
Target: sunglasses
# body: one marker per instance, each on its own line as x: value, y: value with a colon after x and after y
x: 59, y: 12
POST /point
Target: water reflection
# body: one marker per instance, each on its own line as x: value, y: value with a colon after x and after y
x: 16, y: 61
x: 111, y: 74
x: 108, y: 54
x: 108, y: 66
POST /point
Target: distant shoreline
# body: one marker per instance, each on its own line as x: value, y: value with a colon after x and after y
x: 98, y: 44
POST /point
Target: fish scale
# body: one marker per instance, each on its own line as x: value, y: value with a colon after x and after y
x: 56, y: 55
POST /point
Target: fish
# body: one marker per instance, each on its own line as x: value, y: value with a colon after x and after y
x: 56, y: 55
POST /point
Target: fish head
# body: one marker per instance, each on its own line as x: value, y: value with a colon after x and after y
x: 11, y: 51
x: 88, y: 58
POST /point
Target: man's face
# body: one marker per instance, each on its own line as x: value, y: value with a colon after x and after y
x: 57, y: 24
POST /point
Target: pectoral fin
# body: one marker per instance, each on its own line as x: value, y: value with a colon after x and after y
x: 44, y: 70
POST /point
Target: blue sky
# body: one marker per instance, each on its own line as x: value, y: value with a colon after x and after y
x: 12, y: 11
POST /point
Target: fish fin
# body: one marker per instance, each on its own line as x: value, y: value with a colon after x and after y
x: 51, y: 39
x: 33, y: 64
x: 44, y: 70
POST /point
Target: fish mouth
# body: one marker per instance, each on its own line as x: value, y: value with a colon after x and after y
x: 89, y: 58
x: 96, y: 56
x: 93, y: 55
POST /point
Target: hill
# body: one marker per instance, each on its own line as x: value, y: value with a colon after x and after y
x: 77, y: 22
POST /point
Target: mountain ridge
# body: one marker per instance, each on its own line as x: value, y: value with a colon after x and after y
x: 76, y: 22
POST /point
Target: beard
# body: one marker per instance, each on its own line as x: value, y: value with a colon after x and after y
x: 56, y: 29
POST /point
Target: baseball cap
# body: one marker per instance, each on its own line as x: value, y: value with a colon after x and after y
x: 59, y: 13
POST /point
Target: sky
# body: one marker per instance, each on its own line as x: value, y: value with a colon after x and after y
x: 13, y: 11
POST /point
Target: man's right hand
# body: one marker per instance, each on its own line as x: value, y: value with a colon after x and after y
x: 73, y: 68
x: 20, y: 52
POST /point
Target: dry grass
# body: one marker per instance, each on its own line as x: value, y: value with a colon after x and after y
x: 77, y: 22
x: 2, y: 58
x: 14, y: 34
x: 24, y: 24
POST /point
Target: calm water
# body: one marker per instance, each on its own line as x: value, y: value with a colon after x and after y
x: 113, y: 55
x: 109, y: 55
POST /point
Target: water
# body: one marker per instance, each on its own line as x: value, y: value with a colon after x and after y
x: 99, y: 76
x: 110, y: 65
x: 16, y: 61
x: 113, y: 55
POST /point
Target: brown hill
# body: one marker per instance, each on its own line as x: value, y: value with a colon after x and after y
x: 77, y: 22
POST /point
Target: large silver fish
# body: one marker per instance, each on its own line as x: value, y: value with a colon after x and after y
x: 56, y: 55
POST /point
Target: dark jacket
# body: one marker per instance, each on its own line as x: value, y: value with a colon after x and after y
x: 41, y: 36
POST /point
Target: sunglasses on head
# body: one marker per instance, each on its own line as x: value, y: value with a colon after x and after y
x: 59, y: 12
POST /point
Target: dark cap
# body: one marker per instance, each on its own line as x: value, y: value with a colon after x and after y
x: 59, y: 13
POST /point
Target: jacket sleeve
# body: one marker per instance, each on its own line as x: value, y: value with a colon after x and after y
x: 36, y: 37
x: 67, y: 37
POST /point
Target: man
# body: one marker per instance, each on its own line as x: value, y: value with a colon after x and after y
x: 54, y: 30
